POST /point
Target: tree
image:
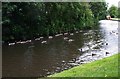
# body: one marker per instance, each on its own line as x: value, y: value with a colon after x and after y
x: 113, y: 11
x: 28, y: 20
x: 119, y: 12
x: 99, y: 10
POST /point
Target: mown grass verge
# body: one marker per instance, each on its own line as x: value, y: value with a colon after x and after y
x: 106, y: 67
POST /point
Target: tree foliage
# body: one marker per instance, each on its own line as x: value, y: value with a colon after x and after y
x: 28, y: 20
x: 119, y: 12
x: 113, y: 11
x: 99, y: 10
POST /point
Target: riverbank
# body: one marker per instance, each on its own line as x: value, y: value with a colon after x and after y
x: 115, y: 19
x: 107, y: 67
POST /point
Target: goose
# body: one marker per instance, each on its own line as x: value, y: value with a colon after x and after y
x: 65, y: 38
x: 106, y: 43
x: 50, y: 37
x: 11, y: 44
x: 113, y: 31
x: 110, y: 33
x: 22, y: 42
x: 41, y: 37
x: 84, y: 49
x: 37, y: 39
x: 71, y: 34
x: 76, y: 31
x: 81, y: 61
x: 80, y: 31
x: 70, y: 40
x: 63, y: 61
x: 107, y: 53
x: 28, y: 41
x: 44, y: 42
x: 80, y: 50
x: 65, y: 33
x: 18, y: 42
x: 93, y: 54
x: 57, y: 35
x: 60, y: 34
x: 116, y: 33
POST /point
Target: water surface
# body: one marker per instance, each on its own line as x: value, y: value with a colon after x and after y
x: 37, y: 60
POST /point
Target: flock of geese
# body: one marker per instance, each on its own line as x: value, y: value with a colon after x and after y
x: 50, y: 37
x: 44, y: 41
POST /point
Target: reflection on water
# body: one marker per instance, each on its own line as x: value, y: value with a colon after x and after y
x: 28, y: 60
x: 61, y: 52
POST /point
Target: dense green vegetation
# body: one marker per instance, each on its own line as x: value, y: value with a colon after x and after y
x: 113, y: 11
x: 119, y: 12
x: 28, y: 20
x: 107, y: 67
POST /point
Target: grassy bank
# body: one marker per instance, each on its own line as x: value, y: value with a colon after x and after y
x: 107, y: 67
x: 115, y: 19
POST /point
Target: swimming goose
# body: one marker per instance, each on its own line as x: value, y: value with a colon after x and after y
x: 37, y: 39
x: 50, y: 37
x: 44, y: 42
x: 107, y: 53
x: 65, y: 33
x: 22, y: 42
x: 11, y: 44
x: 71, y: 34
x: 18, y: 42
x: 28, y: 41
x: 57, y: 35
x: 65, y: 38
x: 106, y: 43
x: 41, y: 37
x: 60, y: 34
x: 70, y: 40
x: 76, y: 31
x: 93, y: 54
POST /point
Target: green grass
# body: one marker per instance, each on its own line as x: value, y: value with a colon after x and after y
x: 107, y: 67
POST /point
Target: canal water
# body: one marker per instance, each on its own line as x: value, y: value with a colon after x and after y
x: 59, y: 53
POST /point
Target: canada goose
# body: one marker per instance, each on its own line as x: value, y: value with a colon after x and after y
x: 57, y: 35
x: 80, y: 31
x: 107, y: 53
x: 37, y: 39
x: 81, y: 50
x: 71, y: 34
x: 81, y: 60
x: 50, y: 37
x: 28, y: 41
x: 22, y: 42
x: 18, y: 42
x: 110, y: 33
x: 76, y: 31
x: 60, y: 34
x: 102, y: 43
x: 65, y: 38
x: 41, y: 37
x: 93, y: 54
x: 106, y: 43
x: 63, y: 61
x: 65, y: 33
x: 70, y: 40
x: 113, y: 32
x: 44, y: 42
x: 11, y: 44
